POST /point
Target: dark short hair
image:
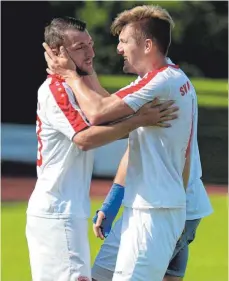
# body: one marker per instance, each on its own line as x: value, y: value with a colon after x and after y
x: 54, y: 34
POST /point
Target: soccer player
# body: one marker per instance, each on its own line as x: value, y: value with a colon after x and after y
x: 197, y: 206
x: 154, y: 203
x: 58, y: 208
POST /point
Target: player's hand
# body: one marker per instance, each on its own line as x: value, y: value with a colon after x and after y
x: 155, y: 114
x: 97, y: 227
x: 61, y: 65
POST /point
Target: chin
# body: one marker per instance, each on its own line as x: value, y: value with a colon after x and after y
x: 84, y: 72
x: 128, y: 70
x: 89, y: 70
x: 125, y: 69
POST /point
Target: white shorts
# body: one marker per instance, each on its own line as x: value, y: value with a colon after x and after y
x: 148, y: 239
x: 58, y: 249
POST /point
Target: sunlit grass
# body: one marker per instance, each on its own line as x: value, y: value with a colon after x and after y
x: 208, y: 258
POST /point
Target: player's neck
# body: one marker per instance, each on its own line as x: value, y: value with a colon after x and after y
x: 153, y: 65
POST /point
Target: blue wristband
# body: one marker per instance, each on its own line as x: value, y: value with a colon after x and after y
x: 113, y: 201
x: 110, y: 207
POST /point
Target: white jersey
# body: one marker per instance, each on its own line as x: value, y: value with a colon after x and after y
x: 157, y: 155
x: 64, y: 171
x: 197, y: 201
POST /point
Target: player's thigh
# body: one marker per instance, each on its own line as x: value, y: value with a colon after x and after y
x: 178, y: 263
x: 147, y: 242
x: 58, y: 248
x: 104, y: 265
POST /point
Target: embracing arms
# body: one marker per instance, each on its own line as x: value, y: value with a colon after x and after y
x: 96, y: 103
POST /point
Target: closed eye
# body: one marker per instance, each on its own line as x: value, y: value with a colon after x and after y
x: 91, y: 43
x: 123, y: 41
x: 84, y: 46
x: 79, y: 47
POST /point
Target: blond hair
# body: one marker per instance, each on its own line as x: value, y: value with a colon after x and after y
x: 149, y: 21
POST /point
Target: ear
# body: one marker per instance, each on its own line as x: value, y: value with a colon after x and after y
x: 55, y: 51
x: 148, y: 46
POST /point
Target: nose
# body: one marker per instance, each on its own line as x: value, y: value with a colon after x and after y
x: 90, y: 52
x: 93, y: 52
x: 119, y: 49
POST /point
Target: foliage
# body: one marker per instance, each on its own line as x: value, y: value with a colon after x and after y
x: 210, y: 92
x: 200, y: 37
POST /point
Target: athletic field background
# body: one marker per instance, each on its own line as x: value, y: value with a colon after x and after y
x: 208, y: 254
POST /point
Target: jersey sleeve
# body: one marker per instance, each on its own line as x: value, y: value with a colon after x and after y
x: 62, y: 111
x: 144, y: 90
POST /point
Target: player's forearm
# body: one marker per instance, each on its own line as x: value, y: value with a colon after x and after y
x: 96, y: 86
x: 98, y: 109
x: 96, y: 136
x: 89, y: 100
x: 122, y: 169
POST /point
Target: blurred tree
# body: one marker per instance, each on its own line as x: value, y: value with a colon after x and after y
x: 99, y: 16
x: 200, y: 37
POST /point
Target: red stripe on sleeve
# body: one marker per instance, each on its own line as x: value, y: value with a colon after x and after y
x: 62, y: 99
x: 190, y: 137
x: 132, y: 89
x: 39, y: 125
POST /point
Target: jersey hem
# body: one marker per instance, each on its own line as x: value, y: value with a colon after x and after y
x: 56, y: 215
x: 154, y: 207
x: 198, y: 216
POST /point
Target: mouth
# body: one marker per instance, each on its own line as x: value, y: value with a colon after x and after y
x: 125, y: 59
x: 88, y: 62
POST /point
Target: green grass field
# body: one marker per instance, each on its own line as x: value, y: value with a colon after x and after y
x: 211, y: 92
x: 208, y: 259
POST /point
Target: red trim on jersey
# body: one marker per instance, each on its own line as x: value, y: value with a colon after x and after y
x: 174, y: 65
x: 40, y: 160
x: 56, y: 77
x: 190, y: 137
x: 62, y: 99
x: 132, y: 89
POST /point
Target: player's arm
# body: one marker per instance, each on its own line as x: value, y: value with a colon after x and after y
x: 125, y: 102
x: 98, y: 109
x: 93, y: 81
x: 120, y: 177
x: 104, y: 217
x: 65, y: 116
x: 96, y: 136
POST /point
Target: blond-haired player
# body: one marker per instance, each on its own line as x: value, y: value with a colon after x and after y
x: 155, y: 200
x: 198, y: 206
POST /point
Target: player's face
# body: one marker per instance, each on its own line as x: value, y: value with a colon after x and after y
x: 131, y: 50
x: 79, y: 45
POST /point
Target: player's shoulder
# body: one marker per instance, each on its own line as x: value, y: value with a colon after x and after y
x: 157, y: 78
x: 54, y: 86
x: 161, y: 74
x: 43, y: 90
